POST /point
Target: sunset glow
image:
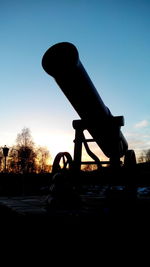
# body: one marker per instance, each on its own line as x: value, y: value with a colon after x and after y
x: 56, y: 143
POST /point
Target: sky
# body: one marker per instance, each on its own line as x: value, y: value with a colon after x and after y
x: 113, y: 40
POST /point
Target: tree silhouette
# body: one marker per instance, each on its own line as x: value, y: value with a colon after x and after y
x: 24, y: 139
x: 42, y: 158
x: 26, y: 154
x: 145, y: 156
x: 13, y: 160
x: 26, y: 157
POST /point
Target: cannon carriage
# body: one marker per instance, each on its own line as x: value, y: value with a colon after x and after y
x: 62, y: 62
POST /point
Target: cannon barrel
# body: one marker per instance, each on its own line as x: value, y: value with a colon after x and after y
x: 62, y: 62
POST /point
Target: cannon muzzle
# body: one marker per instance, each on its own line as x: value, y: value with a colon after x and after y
x: 62, y: 62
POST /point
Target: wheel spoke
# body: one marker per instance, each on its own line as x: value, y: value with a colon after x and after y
x: 66, y: 163
x: 63, y: 161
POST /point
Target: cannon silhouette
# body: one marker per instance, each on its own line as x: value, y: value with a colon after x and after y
x: 62, y: 62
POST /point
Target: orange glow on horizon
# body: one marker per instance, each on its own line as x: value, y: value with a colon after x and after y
x: 63, y: 142
x: 55, y: 143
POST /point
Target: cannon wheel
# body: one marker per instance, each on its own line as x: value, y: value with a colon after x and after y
x: 62, y: 162
x: 130, y: 159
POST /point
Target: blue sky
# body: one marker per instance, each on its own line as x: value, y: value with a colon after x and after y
x: 113, y: 39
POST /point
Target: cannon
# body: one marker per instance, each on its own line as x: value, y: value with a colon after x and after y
x: 62, y: 62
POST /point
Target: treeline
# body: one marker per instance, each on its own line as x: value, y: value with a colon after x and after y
x: 145, y: 156
x: 25, y: 156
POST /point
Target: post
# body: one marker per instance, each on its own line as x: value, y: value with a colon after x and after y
x: 5, y: 153
x: 77, y: 125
